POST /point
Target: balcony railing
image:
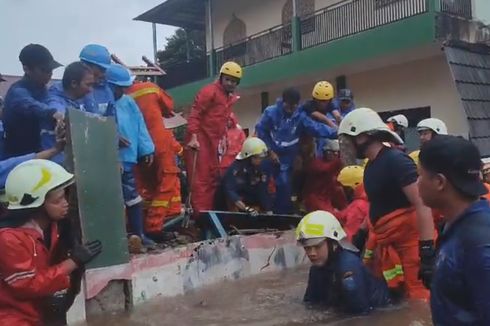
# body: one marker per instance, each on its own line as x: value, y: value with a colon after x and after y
x: 184, y: 73
x: 351, y: 17
x: 461, y: 8
x: 272, y: 43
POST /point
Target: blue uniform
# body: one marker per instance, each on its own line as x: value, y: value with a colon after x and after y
x: 130, y: 125
x: 309, y: 107
x: 460, y: 290
x: 335, y: 106
x: 99, y: 101
x: 242, y: 181
x: 281, y: 133
x: 59, y: 100
x: 24, y: 109
x: 345, y: 283
x: 7, y: 165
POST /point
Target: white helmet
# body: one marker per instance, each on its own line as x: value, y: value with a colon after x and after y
x: 364, y: 120
x: 29, y: 182
x: 436, y: 125
x: 318, y: 226
x: 332, y: 145
x: 252, y: 146
x: 399, y: 119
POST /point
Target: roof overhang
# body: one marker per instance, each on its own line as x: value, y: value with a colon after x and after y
x: 189, y: 14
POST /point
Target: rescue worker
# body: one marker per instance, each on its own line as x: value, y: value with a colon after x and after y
x: 321, y: 190
x: 159, y: 183
x: 281, y: 127
x: 354, y: 216
x: 342, y: 105
x: 24, y: 102
x: 137, y: 147
x: 486, y: 173
x: 245, y: 182
x: 450, y: 182
x: 100, y: 100
x: 398, y: 123
x: 430, y: 128
x: 401, y: 229
x: 205, y: 135
x: 321, y: 103
x: 8, y: 164
x: 33, y: 275
x: 77, y: 82
x: 337, y: 276
x: 235, y: 137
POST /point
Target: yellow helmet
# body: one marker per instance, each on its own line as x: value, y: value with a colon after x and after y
x: 351, y: 176
x: 232, y: 69
x: 323, y: 91
x: 28, y: 183
x: 252, y: 146
x: 364, y: 162
x: 415, y: 156
x: 318, y: 226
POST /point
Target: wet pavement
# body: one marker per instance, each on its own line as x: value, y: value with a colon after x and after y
x: 266, y: 300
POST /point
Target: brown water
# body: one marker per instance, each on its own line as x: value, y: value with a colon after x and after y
x: 265, y: 300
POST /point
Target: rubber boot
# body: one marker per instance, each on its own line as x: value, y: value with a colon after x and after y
x: 135, y: 219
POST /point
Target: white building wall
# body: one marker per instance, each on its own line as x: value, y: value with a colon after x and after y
x: 421, y: 83
x: 414, y: 84
x: 481, y: 10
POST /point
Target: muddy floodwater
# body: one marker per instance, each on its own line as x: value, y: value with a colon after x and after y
x: 265, y: 300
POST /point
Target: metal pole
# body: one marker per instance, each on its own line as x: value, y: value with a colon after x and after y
x: 155, y: 45
x: 212, y: 54
x: 210, y: 23
x: 295, y: 12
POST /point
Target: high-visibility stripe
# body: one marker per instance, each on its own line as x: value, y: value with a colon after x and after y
x: 176, y: 199
x: 390, y: 274
x: 20, y: 276
x: 144, y: 91
x: 160, y: 203
x: 368, y: 254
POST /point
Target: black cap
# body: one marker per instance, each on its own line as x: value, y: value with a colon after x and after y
x: 458, y: 160
x: 345, y: 94
x: 36, y: 55
x: 1, y: 78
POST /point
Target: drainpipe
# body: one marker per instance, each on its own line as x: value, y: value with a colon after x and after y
x: 155, y: 45
x: 212, y: 53
x: 296, y: 28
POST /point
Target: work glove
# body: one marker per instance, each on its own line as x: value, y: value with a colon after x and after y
x: 83, y: 254
x: 427, y: 255
x: 251, y: 211
x: 359, y: 239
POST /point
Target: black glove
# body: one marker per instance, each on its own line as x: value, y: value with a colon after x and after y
x: 427, y: 255
x: 359, y: 239
x: 82, y: 254
x: 251, y: 211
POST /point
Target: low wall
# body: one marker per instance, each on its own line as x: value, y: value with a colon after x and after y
x: 179, y: 270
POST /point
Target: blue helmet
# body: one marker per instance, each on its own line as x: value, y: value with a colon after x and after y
x: 96, y: 54
x: 345, y: 94
x: 119, y: 75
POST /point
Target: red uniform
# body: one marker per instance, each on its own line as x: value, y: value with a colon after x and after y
x: 28, y: 274
x: 235, y: 136
x: 321, y: 189
x: 158, y: 184
x: 355, y: 214
x: 208, y: 120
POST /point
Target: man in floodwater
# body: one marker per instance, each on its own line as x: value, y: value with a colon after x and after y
x: 337, y: 278
x: 450, y: 182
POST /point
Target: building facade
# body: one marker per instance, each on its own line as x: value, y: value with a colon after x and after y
x: 389, y: 52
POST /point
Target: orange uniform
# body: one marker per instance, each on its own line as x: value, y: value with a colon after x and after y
x: 158, y: 184
x: 392, y: 251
